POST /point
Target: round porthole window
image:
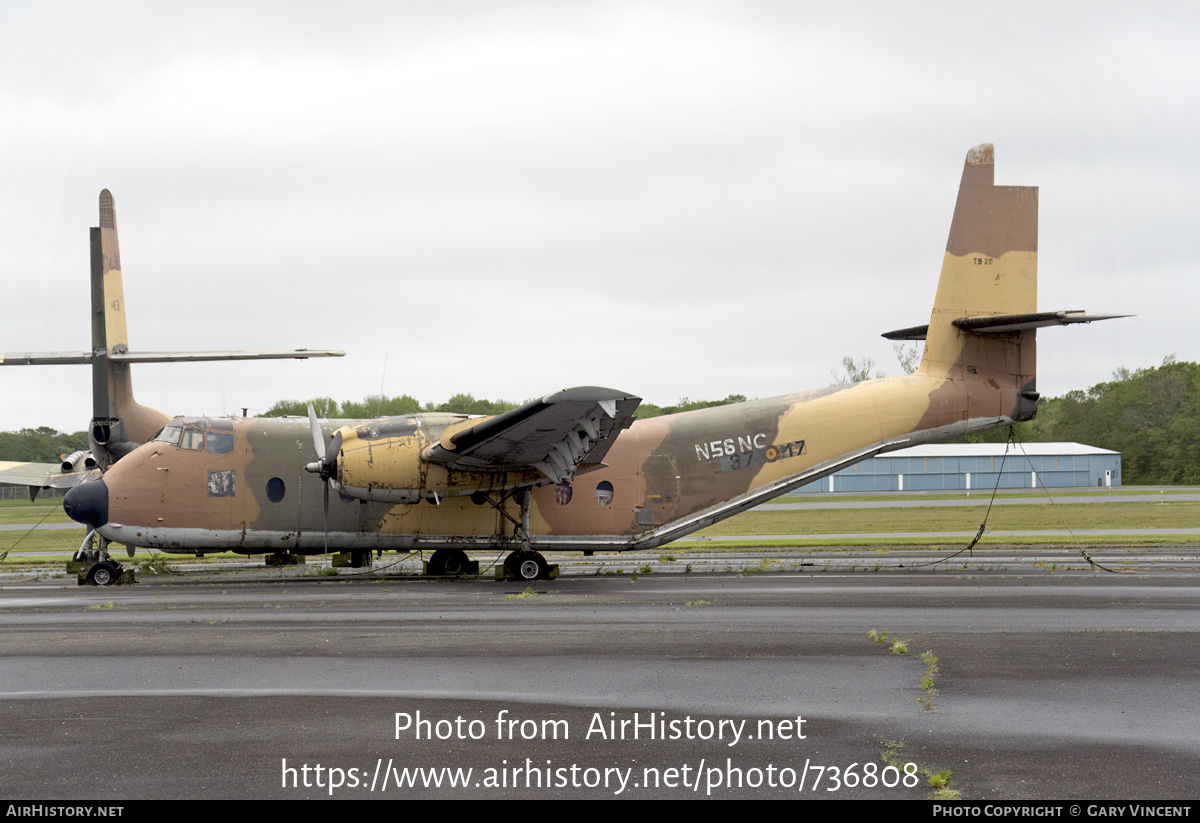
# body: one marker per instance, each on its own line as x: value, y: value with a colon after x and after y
x: 604, y: 493
x: 275, y: 489
x: 562, y: 493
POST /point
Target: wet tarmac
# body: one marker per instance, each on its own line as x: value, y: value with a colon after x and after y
x: 1072, y: 684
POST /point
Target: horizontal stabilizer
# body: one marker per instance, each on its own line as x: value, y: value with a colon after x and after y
x: 1022, y: 322
x: 46, y: 358
x: 66, y: 358
x: 557, y: 435
x: 997, y: 324
x: 913, y: 333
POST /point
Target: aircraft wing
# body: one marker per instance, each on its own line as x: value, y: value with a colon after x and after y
x: 560, y: 434
x: 42, y: 475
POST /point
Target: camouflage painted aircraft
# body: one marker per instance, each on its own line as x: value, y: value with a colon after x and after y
x: 571, y: 471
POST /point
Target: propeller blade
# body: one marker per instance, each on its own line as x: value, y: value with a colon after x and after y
x: 318, y: 436
x: 326, y: 464
x: 331, y: 454
x: 325, y: 515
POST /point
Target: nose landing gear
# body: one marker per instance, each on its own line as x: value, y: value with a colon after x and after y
x: 93, y: 565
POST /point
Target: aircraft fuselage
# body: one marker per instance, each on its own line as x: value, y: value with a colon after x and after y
x: 241, y: 485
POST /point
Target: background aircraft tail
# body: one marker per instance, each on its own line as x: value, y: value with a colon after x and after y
x: 119, y: 423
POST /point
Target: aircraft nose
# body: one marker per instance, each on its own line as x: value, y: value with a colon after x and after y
x: 88, y: 503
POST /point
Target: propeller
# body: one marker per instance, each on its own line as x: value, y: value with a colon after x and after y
x: 325, y: 465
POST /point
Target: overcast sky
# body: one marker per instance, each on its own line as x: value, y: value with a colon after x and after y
x: 508, y: 198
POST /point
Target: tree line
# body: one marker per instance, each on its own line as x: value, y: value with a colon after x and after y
x: 378, y: 405
x: 1150, y: 415
x: 40, y: 445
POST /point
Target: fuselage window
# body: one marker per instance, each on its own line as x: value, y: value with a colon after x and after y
x: 193, y: 439
x: 168, y: 434
x: 604, y: 493
x: 220, y: 442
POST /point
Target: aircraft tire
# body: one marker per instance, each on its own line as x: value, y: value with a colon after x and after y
x: 103, y: 573
x: 455, y: 562
x: 528, y: 565
x: 448, y: 562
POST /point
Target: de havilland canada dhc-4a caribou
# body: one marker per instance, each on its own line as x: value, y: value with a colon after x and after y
x: 571, y: 471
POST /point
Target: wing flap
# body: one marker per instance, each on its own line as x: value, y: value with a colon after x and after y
x: 556, y: 434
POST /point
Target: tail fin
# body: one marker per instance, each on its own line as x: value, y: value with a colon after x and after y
x: 981, y: 339
x: 119, y: 423
x: 989, y: 271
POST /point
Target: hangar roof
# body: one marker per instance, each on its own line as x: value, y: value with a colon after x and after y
x: 995, y: 450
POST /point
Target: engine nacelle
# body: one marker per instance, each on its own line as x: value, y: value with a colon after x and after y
x: 381, y: 460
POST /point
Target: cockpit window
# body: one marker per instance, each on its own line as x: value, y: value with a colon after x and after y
x: 168, y: 434
x: 194, y: 435
x: 220, y: 442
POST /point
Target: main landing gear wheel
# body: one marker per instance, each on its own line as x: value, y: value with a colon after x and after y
x: 527, y: 565
x: 451, y: 563
x: 104, y: 573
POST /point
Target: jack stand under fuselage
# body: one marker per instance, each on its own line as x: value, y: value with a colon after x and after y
x: 357, y: 559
